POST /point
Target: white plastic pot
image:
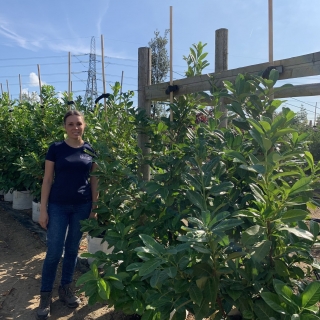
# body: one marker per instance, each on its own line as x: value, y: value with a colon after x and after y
x: 94, y: 245
x: 22, y: 200
x: 8, y: 196
x: 35, y: 211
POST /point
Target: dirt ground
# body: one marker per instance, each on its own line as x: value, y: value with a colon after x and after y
x: 22, y: 250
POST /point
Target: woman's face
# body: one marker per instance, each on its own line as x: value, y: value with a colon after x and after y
x: 74, y: 126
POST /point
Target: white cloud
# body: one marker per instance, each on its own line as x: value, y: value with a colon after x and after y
x: 77, y: 48
x: 22, y: 41
x: 101, y: 15
x: 34, y: 80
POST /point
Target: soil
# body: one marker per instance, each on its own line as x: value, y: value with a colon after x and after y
x: 22, y: 250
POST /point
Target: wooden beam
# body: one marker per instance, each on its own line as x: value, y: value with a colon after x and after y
x: 296, y: 67
x: 303, y: 90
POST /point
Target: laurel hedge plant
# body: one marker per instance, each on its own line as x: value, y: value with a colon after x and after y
x: 26, y: 130
x: 224, y: 221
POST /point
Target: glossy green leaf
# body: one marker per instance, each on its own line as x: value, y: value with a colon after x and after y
x: 149, y: 266
x: 294, y: 215
x: 314, y: 228
x: 218, y: 217
x: 309, y: 158
x: 274, y: 76
x: 236, y: 108
x: 273, y: 301
x: 299, y: 233
x: 283, y: 132
x: 222, y: 188
x: 258, y: 168
x: 311, y: 294
x: 239, y: 84
x: 134, y: 266
x: 195, y: 294
x: 256, y: 125
x: 103, y: 289
x: 152, y: 244
x: 261, y: 250
x: 196, y: 199
x: 301, y: 185
x: 88, y: 276
x: 257, y: 192
x: 200, y: 248
x: 226, y: 225
x: 257, y: 137
x: 171, y: 271
x: 263, y: 311
x: 235, y: 155
x: 267, y: 144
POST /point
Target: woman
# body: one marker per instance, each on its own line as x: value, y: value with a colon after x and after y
x: 67, y: 197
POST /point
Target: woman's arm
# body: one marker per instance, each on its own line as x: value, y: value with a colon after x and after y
x: 94, y: 190
x: 45, y: 191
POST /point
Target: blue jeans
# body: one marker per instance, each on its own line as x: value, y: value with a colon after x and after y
x: 61, y: 217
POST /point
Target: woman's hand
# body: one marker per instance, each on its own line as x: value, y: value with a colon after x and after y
x: 43, y: 219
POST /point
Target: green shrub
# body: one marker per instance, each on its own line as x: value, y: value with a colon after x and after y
x: 222, y: 217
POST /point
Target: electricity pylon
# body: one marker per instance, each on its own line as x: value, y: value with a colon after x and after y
x: 91, y: 90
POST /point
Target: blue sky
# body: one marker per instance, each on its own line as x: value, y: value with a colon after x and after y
x: 43, y: 32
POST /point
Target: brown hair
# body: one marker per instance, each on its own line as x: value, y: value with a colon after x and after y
x: 72, y: 113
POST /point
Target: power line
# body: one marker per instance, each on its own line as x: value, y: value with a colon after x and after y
x: 48, y: 57
x: 302, y: 102
x: 298, y: 107
x: 32, y: 65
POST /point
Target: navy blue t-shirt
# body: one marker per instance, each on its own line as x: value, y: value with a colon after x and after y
x: 72, y: 168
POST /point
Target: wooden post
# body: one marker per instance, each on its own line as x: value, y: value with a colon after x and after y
x: 8, y: 90
x: 315, y: 114
x: 171, y: 77
x: 270, y: 18
x: 270, y: 23
x: 1, y: 90
x: 121, y: 83
x: 121, y: 86
x: 20, y: 85
x: 221, y: 64
x: 144, y: 79
x: 103, y: 74
x: 69, y: 78
x: 39, y: 77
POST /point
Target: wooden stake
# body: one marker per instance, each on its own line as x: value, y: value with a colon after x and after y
x: 221, y: 64
x: 121, y: 83
x: 20, y: 88
x: 8, y: 90
x: 121, y: 86
x: 39, y: 77
x: 270, y: 19
x: 270, y: 10
x: 171, y: 77
x: 144, y: 79
x: 69, y: 80
x: 103, y: 74
x: 1, y: 90
x: 315, y: 114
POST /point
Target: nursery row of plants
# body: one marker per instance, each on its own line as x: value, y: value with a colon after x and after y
x: 224, y: 221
